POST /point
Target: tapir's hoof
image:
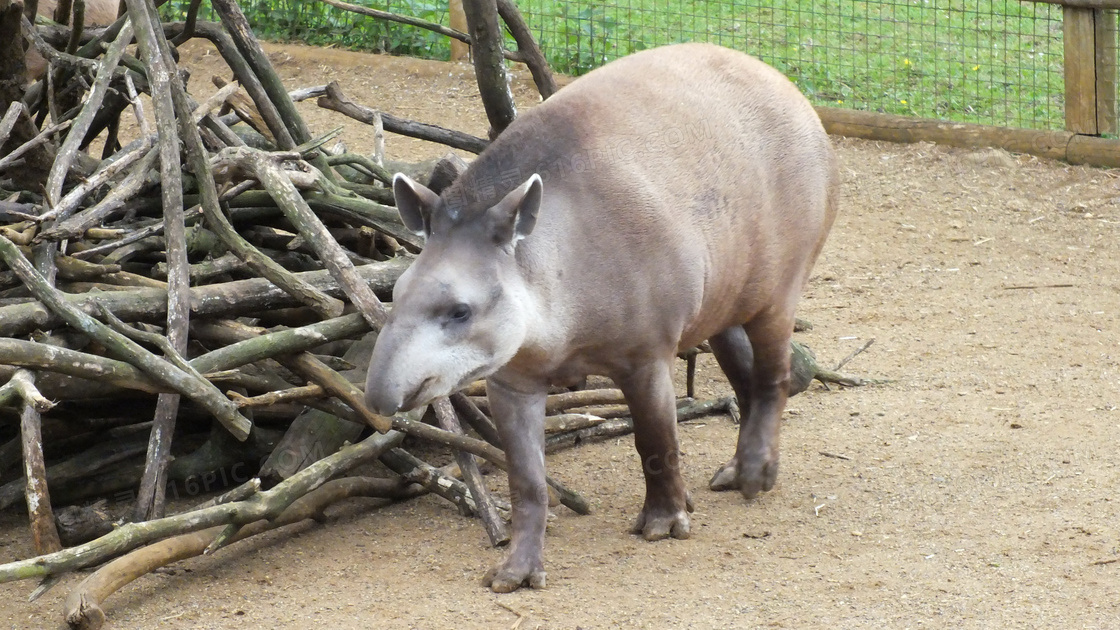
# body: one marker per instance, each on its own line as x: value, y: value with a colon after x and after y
x: 504, y: 578
x: 749, y: 479
x: 653, y: 526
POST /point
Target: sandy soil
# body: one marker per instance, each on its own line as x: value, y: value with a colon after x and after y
x: 976, y: 490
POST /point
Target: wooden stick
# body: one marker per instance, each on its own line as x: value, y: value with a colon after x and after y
x: 400, y: 19
x: 281, y: 396
x: 1038, y: 286
x: 160, y: 65
x: 452, y: 33
x: 622, y: 426
x: 559, y: 402
x: 570, y: 422
x: 361, y: 211
x: 23, y: 385
x: 138, y: 179
x: 527, y: 48
x: 568, y: 400
x: 189, y: 25
x: 478, y: 420
x: 325, y: 305
x: 314, y: 370
x: 337, y: 101
x: 238, y: 28
x: 490, y: 453
x: 1053, y: 144
x: 44, y: 534
x: 41, y: 356
x: 492, y: 521
x: 42, y: 137
x: 433, y: 479
x: 110, y: 169
x: 259, y: 344
x: 245, y: 75
x: 11, y: 117
x: 854, y: 354
x: 70, y: 145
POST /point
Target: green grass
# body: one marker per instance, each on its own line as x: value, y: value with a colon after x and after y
x: 319, y: 24
x: 995, y: 62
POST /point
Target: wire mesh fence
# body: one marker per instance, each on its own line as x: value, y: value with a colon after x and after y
x: 995, y: 62
x: 987, y: 61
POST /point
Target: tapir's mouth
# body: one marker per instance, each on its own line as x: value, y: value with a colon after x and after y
x: 428, y: 390
x: 472, y: 376
x: 417, y: 397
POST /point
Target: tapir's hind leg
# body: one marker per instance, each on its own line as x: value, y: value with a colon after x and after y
x: 649, y: 392
x: 733, y: 352
x: 756, y: 359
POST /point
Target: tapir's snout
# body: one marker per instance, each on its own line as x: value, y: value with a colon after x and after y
x: 386, y: 396
x: 380, y: 396
x: 383, y: 407
x: 385, y: 391
x: 396, y: 381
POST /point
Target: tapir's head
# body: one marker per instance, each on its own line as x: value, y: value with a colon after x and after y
x: 460, y: 311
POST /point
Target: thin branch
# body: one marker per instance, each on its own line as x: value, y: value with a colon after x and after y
x: 854, y: 354
x: 336, y: 100
x: 495, y: 528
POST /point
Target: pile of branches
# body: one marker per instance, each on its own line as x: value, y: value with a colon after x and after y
x: 204, y: 297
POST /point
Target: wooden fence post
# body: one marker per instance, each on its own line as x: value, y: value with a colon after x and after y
x: 1089, y: 37
x: 1104, y: 22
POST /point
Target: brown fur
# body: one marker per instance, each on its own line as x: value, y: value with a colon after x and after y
x: 98, y: 13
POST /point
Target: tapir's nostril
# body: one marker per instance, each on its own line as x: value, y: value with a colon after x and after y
x: 383, y: 408
x: 380, y: 402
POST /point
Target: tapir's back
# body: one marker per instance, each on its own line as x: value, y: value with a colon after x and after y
x: 692, y: 171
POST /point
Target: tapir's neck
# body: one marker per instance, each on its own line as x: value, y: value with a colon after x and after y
x: 529, y: 289
x: 544, y: 303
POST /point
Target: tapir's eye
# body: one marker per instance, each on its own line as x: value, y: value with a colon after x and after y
x: 459, y: 313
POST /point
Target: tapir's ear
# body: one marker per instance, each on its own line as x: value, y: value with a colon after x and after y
x: 415, y: 203
x: 515, y: 216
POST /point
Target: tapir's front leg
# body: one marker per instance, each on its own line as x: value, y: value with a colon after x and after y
x: 520, y: 420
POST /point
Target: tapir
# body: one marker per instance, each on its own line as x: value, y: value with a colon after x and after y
x: 97, y: 13
x: 679, y: 194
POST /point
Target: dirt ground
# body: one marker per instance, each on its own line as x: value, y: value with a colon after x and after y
x: 978, y: 489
